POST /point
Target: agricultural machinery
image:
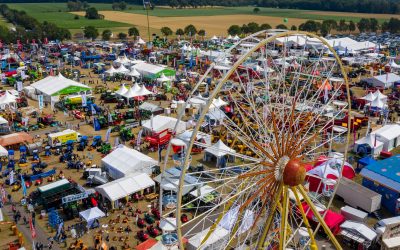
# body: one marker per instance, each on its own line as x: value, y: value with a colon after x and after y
x: 83, y: 143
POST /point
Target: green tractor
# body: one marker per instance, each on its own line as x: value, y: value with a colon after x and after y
x: 103, y: 122
x: 105, y: 148
x: 126, y: 134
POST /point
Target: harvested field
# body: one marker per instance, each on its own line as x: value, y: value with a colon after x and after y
x: 214, y: 25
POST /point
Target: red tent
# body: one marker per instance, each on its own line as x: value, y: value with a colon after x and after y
x: 333, y: 220
x: 146, y: 244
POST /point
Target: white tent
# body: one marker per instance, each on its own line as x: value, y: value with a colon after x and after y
x: 236, y: 37
x: 126, y: 186
x: 229, y: 220
x: 163, y: 78
x: 131, y: 93
x: 122, y: 70
x: 168, y: 224
x: 53, y: 85
x: 91, y: 214
x: 7, y: 100
x: 389, y: 135
x: 140, y: 41
x: 374, y: 143
x: 378, y: 94
x: 122, y: 90
x: 124, y: 160
x: 369, y: 98
x: 377, y: 103
x: 394, y: 65
x: 218, y: 102
x: 143, y: 91
x: 219, y: 149
x: 218, y: 239
x: 160, y: 123
x: 3, y: 151
x: 134, y: 73
x: 383, y: 81
x: 214, y: 38
x: 111, y: 71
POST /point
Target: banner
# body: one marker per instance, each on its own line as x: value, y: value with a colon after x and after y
x: 23, y: 186
x: 84, y: 100
x: 43, y: 175
x: 93, y: 110
x: 20, y: 86
x: 108, y: 134
x: 41, y: 102
x: 32, y: 228
x: 74, y: 197
x: 11, y: 177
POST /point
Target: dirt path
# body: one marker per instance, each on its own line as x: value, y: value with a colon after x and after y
x: 41, y: 236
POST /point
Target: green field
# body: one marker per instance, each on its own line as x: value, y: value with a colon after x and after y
x: 57, y: 13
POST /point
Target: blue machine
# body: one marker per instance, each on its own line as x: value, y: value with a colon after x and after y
x: 11, y: 163
x: 47, y: 151
x: 70, y: 146
x: 22, y: 158
x: 96, y: 141
x: 83, y: 143
x: 35, y: 155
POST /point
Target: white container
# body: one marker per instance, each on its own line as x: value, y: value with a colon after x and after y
x: 353, y: 214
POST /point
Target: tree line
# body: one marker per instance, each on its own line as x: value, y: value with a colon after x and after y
x: 27, y: 27
x: 325, y: 27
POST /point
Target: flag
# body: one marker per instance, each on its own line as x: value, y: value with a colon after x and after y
x: 108, y: 134
x: 116, y: 142
x: 326, y: 97
x: 11, y: 175
x: 93, y: 110
x: 32, y: 228
x: 3, y: 195
x: 23, y: 186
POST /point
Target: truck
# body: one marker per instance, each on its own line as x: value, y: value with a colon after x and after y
x: 353, y: 214
x: 358, y: 196
x: 63, y: 136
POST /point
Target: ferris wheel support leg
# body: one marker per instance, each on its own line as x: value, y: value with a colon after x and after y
x: 319, y: 217
x: 310, y: 232
x: 269, y: 221
x: 284, y: 216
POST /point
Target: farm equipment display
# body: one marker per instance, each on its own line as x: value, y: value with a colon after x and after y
x: 158, y: 139
x: 83, y: 143
x: 105, y: 148
x: 96, y: 142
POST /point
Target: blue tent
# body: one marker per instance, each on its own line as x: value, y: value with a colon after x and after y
x: 367, y: 160
x: 383, y: 177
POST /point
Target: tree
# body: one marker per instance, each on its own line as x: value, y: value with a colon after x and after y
x: 245, y: 29
x: 106, y: 35
x: 363, y: 25
x: 253, y: 27
x: 122, y: 36
x: 256, y: 10
x: 328, y: 25
x: 179, y: 32
x: 190, y: 30
x: 310, y: 26
x: 281, y: 26
x: 201, y: 33
x: 166, y: 31
x: 76, y: 17
x: 342, y: 26
x: 352, y: 26
x: 91, y: 13
x: 265, y: 26
x: 173, y: 3
x: 133, y: 31
x: 234, y: 30
x: 122, y: 5
x: 385, y: 26
x: 91, y: 32
x: 293, y: 27
x: 373, y: 24
x: 393, y: 25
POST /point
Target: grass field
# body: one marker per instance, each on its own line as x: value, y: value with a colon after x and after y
x: 57, y: 13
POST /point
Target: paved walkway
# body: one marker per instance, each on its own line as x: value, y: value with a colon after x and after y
x: 41, y: 236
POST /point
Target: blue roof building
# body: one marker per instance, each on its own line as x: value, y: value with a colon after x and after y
x: 383, y: 177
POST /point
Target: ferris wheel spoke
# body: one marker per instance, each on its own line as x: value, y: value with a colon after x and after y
x: 284, y: 220
x: 319, y: 217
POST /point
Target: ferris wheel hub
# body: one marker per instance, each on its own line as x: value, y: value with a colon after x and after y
x: 294, y: 173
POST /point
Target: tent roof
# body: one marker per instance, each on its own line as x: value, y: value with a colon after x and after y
x: 218, y: 234
x: 92, y: 214
x: 370, y: 97
x: 53, y: 84
x: 161, y: 123
x: 128, y: 160
x: 388, y: 78
x: 146, y: 244
x: 360, y: 229
x: 134, y: 72
x: 143, y: 91
x: 388, y: 132
x: 379, y: 95
x: 7, y: 98
x: 385, y: 172
x: 150, y: 107
x: 219, y: 149
x: 370, y: 140
x: 15, y: 138
x: 163, y: 78
x: 3, y: 121
x: 125, y: 186
x: 218, y: 102
x: 122, y: 90
x: 331, y: 219
x: 148, y: 68
x: 122, y: 69
x: 3, y: 151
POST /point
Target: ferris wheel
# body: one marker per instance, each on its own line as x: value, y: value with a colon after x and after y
x: 260, y: 167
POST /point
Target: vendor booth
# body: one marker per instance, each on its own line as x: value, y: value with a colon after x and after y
x: 91, y: 216
x: 219, y: 150
x: 15, y: 139
x: 123, y: 161
x: 124, y: 187
x: 159, y: 123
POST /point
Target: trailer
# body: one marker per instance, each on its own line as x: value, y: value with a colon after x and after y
x: 358, y: 196
x: 353, y: 214
x: 34, y: 146
x: 62, y: 137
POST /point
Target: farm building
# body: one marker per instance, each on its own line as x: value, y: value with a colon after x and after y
x: 152, y: 71
x: 58, y: 85
x: 124, y: 160
x: 383, y: 177
x: 384, y: 81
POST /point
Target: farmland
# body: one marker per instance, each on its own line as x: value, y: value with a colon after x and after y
x: 215, y: 20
